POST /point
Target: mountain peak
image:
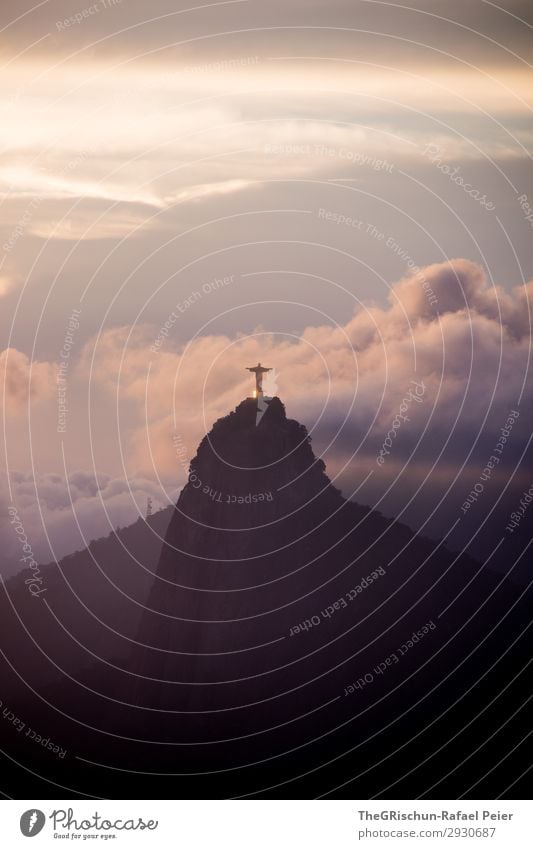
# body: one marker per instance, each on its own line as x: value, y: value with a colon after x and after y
x: 253, y: 456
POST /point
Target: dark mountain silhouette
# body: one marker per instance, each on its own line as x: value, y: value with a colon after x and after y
x: 282, y: 642
x: 86, y: 595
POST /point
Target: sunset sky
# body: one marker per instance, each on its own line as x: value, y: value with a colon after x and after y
x: 341, y: 190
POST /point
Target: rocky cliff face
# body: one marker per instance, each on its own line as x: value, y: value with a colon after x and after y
x: 254, y: 512
x: 254, y: 536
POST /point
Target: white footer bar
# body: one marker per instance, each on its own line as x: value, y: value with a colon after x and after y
x: 268, y: 824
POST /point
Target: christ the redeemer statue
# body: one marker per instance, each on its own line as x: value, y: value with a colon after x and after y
x: 259, y: 371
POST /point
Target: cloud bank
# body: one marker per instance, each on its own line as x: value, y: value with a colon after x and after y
x: 467, y: 343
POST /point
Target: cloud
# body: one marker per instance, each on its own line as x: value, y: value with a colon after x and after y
x: 6, y: 284
x: 444, y: 326
x: 87, y: 219
x: 467, y: 344
x: 205, y: 190
x: 61, y: 515
x: 462, y: 285
x: 157, y: 137
x: 399, y: 32
x: 23, y: 381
